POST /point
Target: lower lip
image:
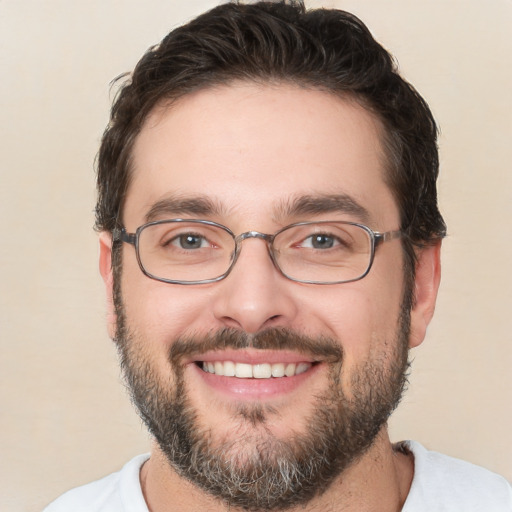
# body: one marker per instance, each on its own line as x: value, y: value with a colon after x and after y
x: 254, y: 389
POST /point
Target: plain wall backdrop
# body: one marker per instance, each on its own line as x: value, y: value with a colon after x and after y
x: 65, y: 415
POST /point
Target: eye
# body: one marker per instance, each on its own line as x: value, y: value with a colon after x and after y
x: 189, y: 241
x: 320, y: 241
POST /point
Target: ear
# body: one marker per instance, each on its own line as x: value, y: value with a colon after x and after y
x: 105, y: 264
x: 428, y: 276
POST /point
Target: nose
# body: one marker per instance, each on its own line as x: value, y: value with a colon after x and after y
x: 255, y: 295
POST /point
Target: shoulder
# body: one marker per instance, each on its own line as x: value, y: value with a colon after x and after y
x: 443, y: 483
x: 118, y: 492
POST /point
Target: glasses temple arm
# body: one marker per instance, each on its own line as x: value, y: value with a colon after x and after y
x: 387, y: 236
x: 120, y: 235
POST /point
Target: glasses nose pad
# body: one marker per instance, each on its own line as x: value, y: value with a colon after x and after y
x: 273, y: 253
x: 238, y: 247
x: 233, y: 258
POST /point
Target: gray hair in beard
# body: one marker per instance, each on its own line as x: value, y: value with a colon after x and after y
x: 254, y: 470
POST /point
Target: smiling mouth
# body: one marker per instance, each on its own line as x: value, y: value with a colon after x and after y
x: 254, y: 371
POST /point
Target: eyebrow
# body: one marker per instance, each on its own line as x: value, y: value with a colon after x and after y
x: 202, y: 206
x: 320, y: 204
x: 172, y: 206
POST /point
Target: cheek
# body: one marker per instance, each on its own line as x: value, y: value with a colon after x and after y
x: 159, y: 312
x: 363, y: 316
x: 354, y: 320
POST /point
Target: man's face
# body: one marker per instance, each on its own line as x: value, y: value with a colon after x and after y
x: 251, y: 153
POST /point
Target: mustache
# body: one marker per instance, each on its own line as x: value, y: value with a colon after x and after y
x: 322, y: 347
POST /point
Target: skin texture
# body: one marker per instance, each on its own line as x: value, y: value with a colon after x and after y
x: 251, y: 150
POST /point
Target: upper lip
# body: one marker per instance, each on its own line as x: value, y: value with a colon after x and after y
x: 253, y: 356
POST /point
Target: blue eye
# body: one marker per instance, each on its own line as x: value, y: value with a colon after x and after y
x: 189, y: 241
x: 320, y: 241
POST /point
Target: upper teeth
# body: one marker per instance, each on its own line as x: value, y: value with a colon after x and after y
x: 257, y: 371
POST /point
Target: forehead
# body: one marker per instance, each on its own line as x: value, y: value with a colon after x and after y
x: 252, y: 149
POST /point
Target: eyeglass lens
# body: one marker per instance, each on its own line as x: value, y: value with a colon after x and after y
x: 315, y: 252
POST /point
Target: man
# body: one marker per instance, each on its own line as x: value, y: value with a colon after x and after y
x: 270, y: 244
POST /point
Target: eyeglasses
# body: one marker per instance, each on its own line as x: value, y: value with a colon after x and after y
x: 182, y: 251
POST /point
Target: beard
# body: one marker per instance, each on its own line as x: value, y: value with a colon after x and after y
x: 250, y: 468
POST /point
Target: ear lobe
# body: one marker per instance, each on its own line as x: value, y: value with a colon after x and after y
x: 426, y: 285
x: 105, y: 265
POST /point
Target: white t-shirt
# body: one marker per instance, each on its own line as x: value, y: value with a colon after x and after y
x: 440, y: 484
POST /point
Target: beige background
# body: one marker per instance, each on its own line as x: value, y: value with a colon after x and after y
x: 65, y: 418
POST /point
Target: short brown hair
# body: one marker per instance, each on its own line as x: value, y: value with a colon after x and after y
x: 324, y: 49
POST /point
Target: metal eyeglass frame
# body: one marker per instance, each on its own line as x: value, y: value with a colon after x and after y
x: 376, y: 239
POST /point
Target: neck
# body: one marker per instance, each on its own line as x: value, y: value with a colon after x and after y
x: 379, y: 481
